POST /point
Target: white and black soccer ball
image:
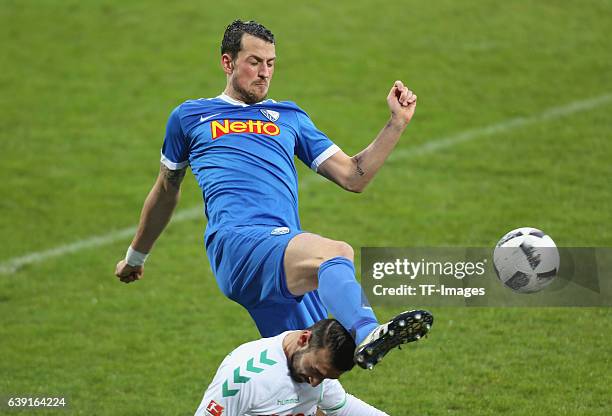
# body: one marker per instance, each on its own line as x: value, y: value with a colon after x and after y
x: 526, y: 260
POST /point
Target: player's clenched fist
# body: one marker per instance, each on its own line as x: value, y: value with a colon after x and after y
x: 127, y: 273
x: 402, y: 102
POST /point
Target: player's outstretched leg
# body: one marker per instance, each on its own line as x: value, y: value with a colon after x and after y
x: 406, y: 327
x: 314, y: 262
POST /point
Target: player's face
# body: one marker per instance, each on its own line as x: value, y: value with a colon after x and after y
x: 251, y: 71
x: 312, y: 366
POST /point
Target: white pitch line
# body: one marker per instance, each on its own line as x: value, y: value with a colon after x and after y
x: 14, y: 264
x: 516, y: 122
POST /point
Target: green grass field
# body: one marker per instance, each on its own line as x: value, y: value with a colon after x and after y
x: 512, y: 129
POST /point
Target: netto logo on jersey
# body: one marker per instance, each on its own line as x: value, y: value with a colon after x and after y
x: 219, y: 129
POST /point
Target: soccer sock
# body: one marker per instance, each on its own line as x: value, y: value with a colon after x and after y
x: 343, y: 297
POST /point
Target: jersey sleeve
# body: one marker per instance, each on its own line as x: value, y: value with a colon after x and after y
x: 333, y: 397
x: 313, y: 146
x: 356, y: 407
x: 175, y: 150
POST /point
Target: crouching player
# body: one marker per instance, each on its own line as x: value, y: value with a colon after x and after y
x: 290, y: 374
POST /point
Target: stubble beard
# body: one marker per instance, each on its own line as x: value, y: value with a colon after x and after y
x: 295, y: 375
x: 247, y: 97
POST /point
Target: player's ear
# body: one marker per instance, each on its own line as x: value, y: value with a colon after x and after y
x: 304, y: 338
x: 227, y: 63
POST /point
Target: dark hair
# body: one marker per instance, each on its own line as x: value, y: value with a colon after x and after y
x: 232, y: 38
x: 331, y: 335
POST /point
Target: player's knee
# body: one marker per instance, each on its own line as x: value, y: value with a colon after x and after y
x: 343, y: 249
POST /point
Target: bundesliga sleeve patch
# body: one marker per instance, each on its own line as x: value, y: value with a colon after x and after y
x: 214, y: 408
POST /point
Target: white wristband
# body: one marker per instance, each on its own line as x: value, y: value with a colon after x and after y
x: 135, y: 258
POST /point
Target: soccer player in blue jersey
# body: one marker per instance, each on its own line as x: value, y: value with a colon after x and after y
x: 240, y: 146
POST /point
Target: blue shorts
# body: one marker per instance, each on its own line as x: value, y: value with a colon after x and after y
x: 248, y: 265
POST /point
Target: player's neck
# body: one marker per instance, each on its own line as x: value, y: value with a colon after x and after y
x: 231, y: 93
x: 290, y: 343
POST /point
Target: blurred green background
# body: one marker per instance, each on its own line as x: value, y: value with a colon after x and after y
x: 512, y: 129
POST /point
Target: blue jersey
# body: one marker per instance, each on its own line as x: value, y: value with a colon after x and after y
x: 243, y: 157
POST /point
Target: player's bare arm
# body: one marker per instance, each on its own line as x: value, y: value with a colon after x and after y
x: 354, y: 173
x: 156, y: 213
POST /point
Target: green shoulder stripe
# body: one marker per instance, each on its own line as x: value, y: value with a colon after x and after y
x: 252, y: 366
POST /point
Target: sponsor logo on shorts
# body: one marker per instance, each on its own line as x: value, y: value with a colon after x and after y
x: 214, y: 408
x: 280, y: 231
x: 223, y: 127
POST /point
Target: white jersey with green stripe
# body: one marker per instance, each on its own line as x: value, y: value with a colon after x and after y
x: 254, y: 380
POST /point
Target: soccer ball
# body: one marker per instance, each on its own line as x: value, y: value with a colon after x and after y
x: 526, y: 260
